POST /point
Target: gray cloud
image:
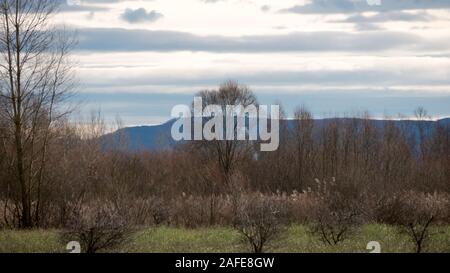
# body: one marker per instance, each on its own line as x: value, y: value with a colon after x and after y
x: 372, y: 22
x: 140, y: 15
x: 367, y: 26
x: 64, y: 6
x: 265, y: 8
x: 389, y: 16
x: 351, y: 6
x: 87, y: 5
x: 116, y: 39
x: 376, y: 78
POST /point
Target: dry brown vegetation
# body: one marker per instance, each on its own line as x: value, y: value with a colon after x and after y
x: 260, y: 221
x: 97, y: 227
x: 52, y: 169
x: 334, y: 178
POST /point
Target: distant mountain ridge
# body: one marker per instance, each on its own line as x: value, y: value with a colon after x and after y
x: 158, y: 137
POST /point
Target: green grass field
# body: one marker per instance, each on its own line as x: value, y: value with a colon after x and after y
x: 164, y: 239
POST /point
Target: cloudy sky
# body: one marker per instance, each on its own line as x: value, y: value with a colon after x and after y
x: 137, y: 59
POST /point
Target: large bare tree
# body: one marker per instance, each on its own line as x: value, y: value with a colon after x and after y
x: 227, y: 153
x: 219, y: 158
x: 35, y: 76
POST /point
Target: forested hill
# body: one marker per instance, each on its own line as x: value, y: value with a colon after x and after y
x: 158, y: 137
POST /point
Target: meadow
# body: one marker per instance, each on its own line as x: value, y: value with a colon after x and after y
x: 297, y: 239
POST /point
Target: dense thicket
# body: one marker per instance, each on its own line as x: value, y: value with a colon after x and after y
x: 369, y: 164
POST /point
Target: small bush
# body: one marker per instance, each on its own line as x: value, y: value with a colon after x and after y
x: 260, y: 221
x: 159, y: 211
x: 335, y: 214
x: 417, y: 213
x: 388, y: 209
x: 151, y: 211
x: 97, y: 228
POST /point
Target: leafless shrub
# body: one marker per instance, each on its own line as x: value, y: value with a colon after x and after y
x: 194, y: 211
x: 260, y: 221
x: 335, y: 215
x: 416, y: 213
x: 298, y: 204
x: 189, y: 211
x: 97, y: 227
x: 388, y: 208
x: 9, y: 217
x: 159, y: 211
x: 151, y: 211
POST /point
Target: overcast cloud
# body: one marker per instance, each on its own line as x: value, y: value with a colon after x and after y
x: 350, y: 6
x: 157, y: 53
